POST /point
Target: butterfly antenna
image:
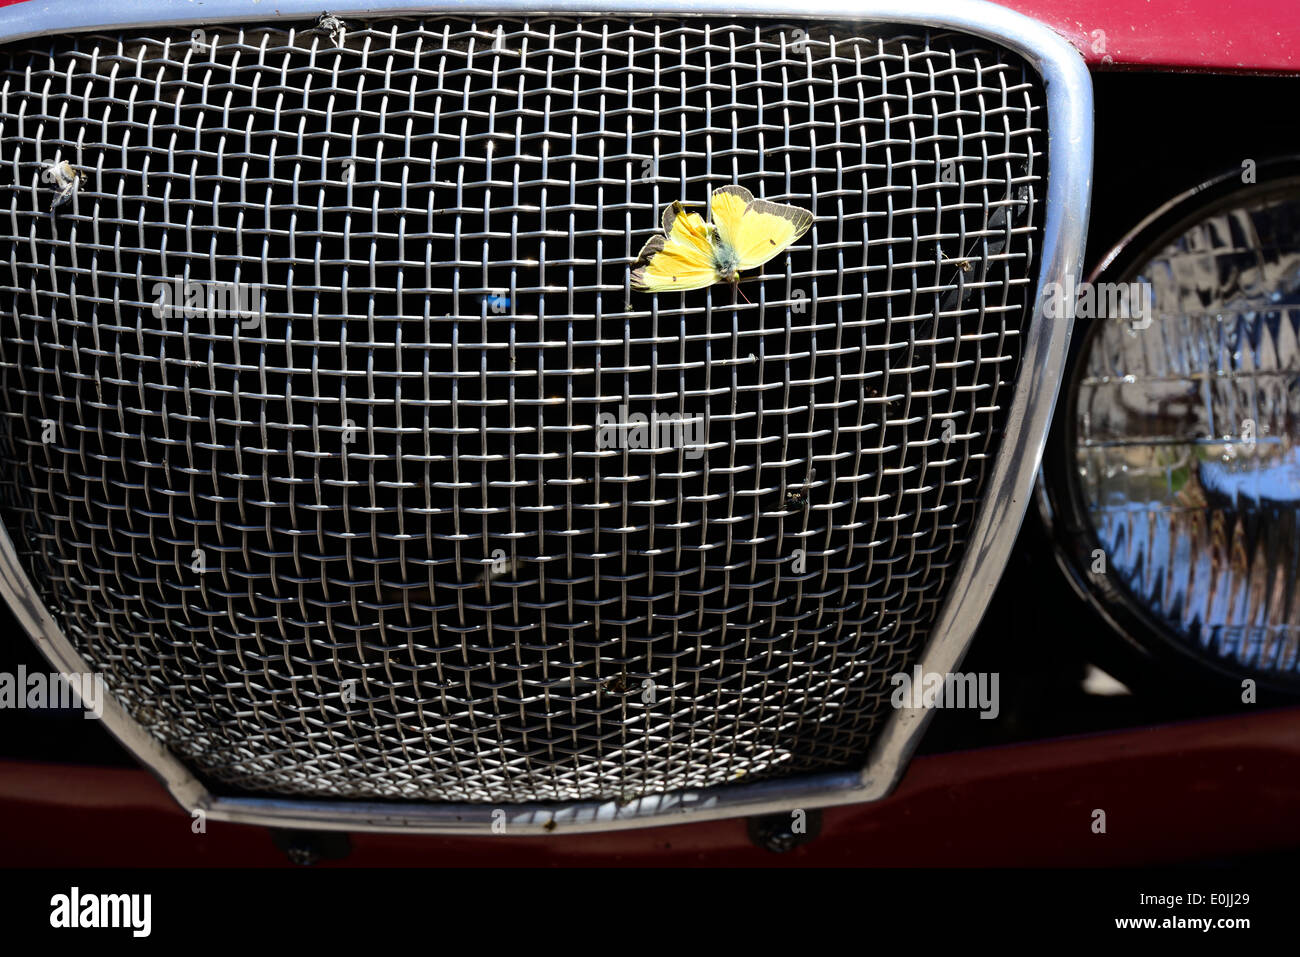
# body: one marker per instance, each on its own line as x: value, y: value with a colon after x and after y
x: 736, y: 288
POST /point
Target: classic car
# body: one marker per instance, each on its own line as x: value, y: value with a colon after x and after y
x: 598, y: 432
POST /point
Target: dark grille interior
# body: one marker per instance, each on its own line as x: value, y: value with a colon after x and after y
x: 424, y: 575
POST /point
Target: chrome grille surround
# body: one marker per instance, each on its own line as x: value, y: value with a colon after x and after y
x: 787, y: 675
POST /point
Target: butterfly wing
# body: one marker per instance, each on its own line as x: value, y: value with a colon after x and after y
x: 682, y: 259
x: 665, y: 265
x: 754, y: 229
x: 767, y: 229
x: 691, y: 225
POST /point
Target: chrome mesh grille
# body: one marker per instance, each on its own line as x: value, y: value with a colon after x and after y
x: 425, y: 577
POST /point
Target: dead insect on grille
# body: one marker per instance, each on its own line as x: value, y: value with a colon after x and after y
x: 65, y: 178
x: 963, y: 263
x: 619, y: 684
x: 332, y: 27
x: 872, y: 392
x: 798, y: 497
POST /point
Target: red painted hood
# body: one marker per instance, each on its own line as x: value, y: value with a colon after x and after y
x: 1209, y: 35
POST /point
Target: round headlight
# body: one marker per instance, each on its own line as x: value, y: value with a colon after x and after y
x: 1180, y: 439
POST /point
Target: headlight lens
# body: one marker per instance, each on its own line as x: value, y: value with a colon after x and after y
x: 1187, y: 436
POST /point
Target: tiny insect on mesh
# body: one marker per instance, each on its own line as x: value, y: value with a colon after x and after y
x: 363, y: 537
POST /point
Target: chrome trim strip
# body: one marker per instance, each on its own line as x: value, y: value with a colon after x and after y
x: 1069, y: 160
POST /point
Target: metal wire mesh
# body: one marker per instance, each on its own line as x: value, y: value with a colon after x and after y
x: 372, y: 545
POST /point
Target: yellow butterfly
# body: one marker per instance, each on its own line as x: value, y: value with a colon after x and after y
x: 745, y: 233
